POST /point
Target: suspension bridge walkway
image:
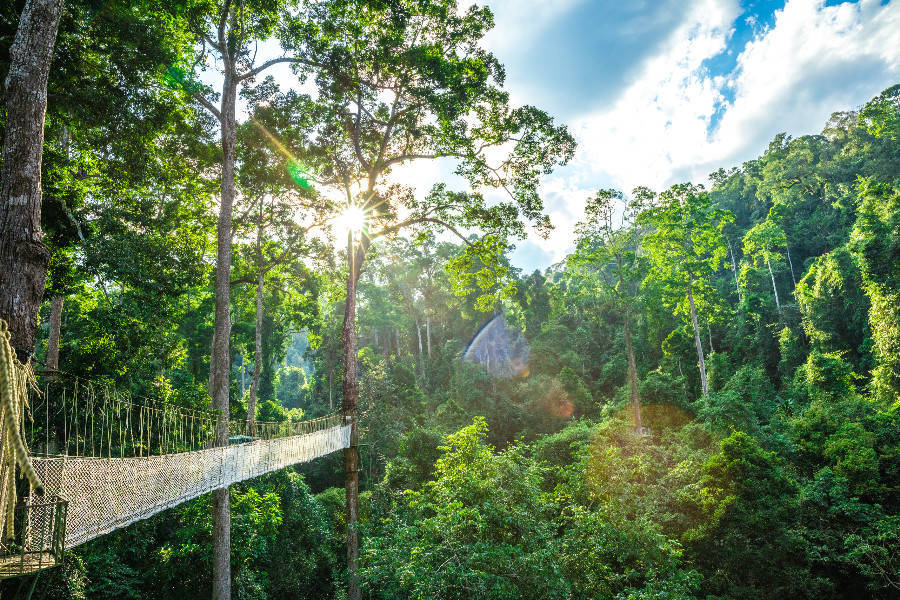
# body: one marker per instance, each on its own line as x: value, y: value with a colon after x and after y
x: 105, y: 494
x: 101, y: 460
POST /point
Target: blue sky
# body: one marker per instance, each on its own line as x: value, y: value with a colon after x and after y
x: 662, y: 91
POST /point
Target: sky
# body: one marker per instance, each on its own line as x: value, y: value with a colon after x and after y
x: 658, y: 92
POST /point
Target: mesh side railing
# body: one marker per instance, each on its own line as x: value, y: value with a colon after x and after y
x: 39, y: 540
x: 105, y: 494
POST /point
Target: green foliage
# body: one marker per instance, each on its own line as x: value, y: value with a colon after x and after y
x: 783, y: 481
x: 291, y: 387
x: 686, y: 248
x: 483, y: 526
x: 764, y: 241
x: 745, y: 403
x: 747, y: 541
x: 835, y: 308
x: 477, y: 529
x: 876, y: 550
x: 876, y: 243
x: 479, y: 269
x: 607, y: 559
x: 561, y: 448
x: 66, y: 582
x: 823, y: 376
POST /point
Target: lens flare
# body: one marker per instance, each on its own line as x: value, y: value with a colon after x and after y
x: 500, y: 349
x: 352, y: 220
x: 296, y: 170
x: 299, y: 173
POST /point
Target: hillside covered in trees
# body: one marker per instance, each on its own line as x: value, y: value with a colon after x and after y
x: 703, y: 399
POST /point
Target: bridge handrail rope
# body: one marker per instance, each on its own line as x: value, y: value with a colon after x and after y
x: 76, y: 401
x: 59, y: 376
x: 14, y: 383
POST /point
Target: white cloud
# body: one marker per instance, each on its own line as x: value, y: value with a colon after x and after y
x: 813, y: 61
x: 659, y: 124
x: 658, y: 121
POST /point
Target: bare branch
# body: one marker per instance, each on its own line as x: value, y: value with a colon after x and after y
x: 283, y: 59
x: 208, y: 105
x: 355, y: 134
x: 416, y: 220
x: 208, y: 40
x: 405, y: 157
x: 386, y: 138
x: 373, y: 118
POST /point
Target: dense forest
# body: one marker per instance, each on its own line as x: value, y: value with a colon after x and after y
x: 702, y: 400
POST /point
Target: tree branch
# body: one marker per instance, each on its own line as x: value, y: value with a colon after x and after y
x: 355, y: 134
x: 405, y: 157
x: 208, y: 105
x: 416, y: 220
x: 209, y: 40
x: 274, y: 61
x: 220, y: 30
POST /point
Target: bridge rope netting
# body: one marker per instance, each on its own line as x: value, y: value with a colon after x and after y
x: 102, y: 459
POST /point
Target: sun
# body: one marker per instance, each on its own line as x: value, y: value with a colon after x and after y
x: 352, y: 220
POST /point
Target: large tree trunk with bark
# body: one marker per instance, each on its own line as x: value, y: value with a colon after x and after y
x: 257, y: 356
x: 700, y: 360
x: 23, y: 255
x: 349, y: 409
x: 221, y: 357
x: 56, y: 307
x: 632, y: 377
x: 428, y: 333
x: 257, y: 359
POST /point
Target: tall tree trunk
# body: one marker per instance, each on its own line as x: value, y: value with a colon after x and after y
x: 700, y: 360
x: 632, y: 376
x: 428, y: 333
x: 257, y: 356
x: 221, y: 358
x: 787, y: 250
x: 212, y: 366
x: 774, y: 287
x: 419, y: 334
x: 737, y: 286
x: 56, y: 307
x: 56, y: 304
x: 349, y: 409
x: 243, y: 374
x: 23, y: 255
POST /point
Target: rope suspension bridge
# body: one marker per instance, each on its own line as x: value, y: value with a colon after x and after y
x: 102, y: 459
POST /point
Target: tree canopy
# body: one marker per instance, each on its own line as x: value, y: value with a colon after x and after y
x: 705, y: 400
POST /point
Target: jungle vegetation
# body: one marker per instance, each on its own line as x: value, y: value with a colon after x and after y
x: 752, y: 319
